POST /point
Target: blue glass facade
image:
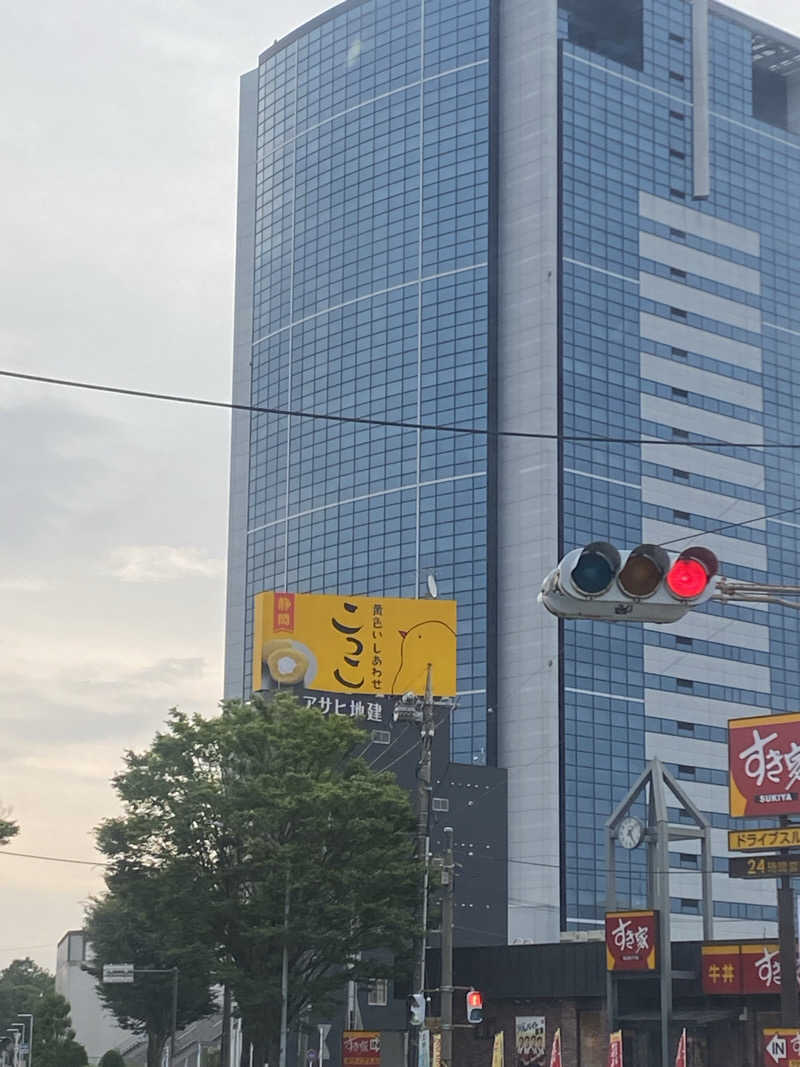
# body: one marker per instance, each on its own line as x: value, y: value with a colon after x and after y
x: 625, y: 132
x: 378, y: 272
x: 371, y: 301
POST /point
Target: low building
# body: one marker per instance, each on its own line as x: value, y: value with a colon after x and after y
x: 95, y: 1027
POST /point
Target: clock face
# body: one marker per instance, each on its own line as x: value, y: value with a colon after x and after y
x: 630, y: 832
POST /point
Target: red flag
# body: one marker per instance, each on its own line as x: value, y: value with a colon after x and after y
x: 680, y: 1058
x: 615, y: 1049
x: 555, y: 1052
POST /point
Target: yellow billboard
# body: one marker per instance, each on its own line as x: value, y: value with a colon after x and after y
x: 353, y: 644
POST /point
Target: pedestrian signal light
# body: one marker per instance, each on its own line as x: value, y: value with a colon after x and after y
x: 474, y: 1006
x: 644, y: 584
x: 416, y: 1009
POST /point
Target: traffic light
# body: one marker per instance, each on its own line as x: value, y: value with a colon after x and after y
x: 416, y: 1009
x: 643, y: 584
x: 474, y: 1006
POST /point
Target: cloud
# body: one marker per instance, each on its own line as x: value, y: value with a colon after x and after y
x: 162, y: 563
x: 22, y: 585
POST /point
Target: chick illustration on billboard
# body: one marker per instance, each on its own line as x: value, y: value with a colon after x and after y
x: 353, y: 644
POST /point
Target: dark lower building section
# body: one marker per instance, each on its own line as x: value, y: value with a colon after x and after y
x: 564, y: 986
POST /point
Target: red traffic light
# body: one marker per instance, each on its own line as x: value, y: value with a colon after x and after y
x: 691, y: 572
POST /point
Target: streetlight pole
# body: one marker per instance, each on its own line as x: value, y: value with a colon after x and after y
x: 28, y: 1015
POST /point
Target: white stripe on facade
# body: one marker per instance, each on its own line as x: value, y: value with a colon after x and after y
x: 719, y: 506
x: 602, y: 478
x: 709, y: 669
x: 698, y: 223
x: 717, y: 269
x: 696, y: 420
x: 369, y: 296
x: 707, y: 463
x: 705, y: 343
x: 727, y: 549
x: 366, y: 496
x: 699, y: 302
x: 731, y: 390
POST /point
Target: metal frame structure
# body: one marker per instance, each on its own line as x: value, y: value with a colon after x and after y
x: 657, y: 837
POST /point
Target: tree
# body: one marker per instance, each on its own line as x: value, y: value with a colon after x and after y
x: 112, y: 1058
x: 8, y: 828
x: 28, y: 988
x: 152, y: 919
x: 295, y: 846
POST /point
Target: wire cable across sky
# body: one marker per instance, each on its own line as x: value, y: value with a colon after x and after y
x: 392, y: 424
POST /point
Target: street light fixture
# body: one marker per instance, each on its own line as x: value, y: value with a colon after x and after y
x: 28, y: 1015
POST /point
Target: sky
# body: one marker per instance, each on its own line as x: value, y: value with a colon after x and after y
x: 118, y: 157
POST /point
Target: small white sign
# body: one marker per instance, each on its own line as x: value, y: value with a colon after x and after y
x: 118, y: 972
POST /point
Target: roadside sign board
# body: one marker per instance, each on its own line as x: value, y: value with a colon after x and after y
x: 631, y: 938
x: 118, y: 972
x: 775, y: 866
x: 764, y: 838
x: 764, y: 765
x: 781, y: 1047
x: 761, y: 969
x: 361, y: 1048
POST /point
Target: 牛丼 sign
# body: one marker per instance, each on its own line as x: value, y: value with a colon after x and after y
x: 631, y: 939
x: 764, y: 765
x: 741, y: 968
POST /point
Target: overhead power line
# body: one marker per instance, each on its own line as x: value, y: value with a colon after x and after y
x: 53, y: 859
x: 392, y: 424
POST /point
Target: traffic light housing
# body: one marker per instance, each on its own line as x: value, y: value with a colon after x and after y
x: 643, y: 584
x: 416, y: 1009
x: 474, y: 1007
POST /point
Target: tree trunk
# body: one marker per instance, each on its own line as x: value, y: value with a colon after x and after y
x: 155, y: 1049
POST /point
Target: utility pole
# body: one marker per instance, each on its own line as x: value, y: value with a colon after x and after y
x: 174, y: 1015
x: 423, y: 818
x: 448, y: 896
x: 790, y: 1007
x: 412, y: 712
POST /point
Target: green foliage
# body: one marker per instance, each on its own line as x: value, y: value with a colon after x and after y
x: 283, y: 838
x: 8, y: 828
x: 112, y: 1058
x: 28, y: 988
x: 150, y: 918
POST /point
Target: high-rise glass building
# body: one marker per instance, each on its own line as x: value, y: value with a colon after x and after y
x: 568, y: 231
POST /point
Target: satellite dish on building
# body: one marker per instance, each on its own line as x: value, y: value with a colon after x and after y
x: 433, y: 588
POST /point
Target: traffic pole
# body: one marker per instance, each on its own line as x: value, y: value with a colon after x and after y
x: 448, y: 896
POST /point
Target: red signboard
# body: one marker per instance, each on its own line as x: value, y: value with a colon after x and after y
x: 631, y: 939
x: 764, y: 765
x: 781, y: 1047
x: 361, y: 1048
x: 761, y: 969
x: 722, y: 969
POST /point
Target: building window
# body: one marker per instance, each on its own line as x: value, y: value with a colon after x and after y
x: 378, y: 992
x: 614, y: 28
